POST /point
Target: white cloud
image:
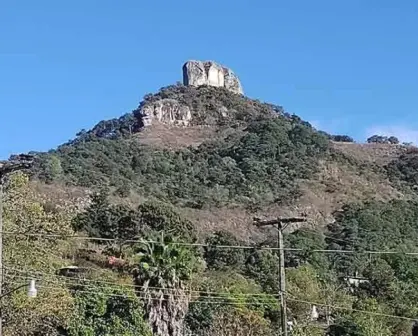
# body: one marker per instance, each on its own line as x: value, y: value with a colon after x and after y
x: 403, y: 133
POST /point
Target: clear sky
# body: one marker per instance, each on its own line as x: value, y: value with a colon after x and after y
x: 348, y: 67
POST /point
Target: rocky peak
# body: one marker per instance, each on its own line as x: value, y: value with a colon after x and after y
x: 196, y: 73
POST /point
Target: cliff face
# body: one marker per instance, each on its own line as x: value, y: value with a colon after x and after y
x: 196, y: 73
x: 167, y: 111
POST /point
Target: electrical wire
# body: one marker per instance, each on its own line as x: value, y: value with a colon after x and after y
x: 333, y: 238
x: 35, y: 274
x: 57, y: 235
x: 224, y: 302
x: 194, y: 299
x: 248, y: 247
x: 326, y: 236
x: 352, y: 309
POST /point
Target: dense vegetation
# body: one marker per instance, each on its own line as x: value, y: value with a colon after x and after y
x: 341, y: 138
x: 144, y: 268
x: 383, y: 139
x: 405, y: 168
x: 214, y: 106
x: 256, y: 166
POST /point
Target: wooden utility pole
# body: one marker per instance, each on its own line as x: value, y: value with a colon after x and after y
x: 415, y: 329
x: 17, y: 162
x: 281, y: 224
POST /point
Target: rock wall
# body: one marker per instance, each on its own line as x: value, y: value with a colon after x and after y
x: 167, y: 111
x: 196, y: 73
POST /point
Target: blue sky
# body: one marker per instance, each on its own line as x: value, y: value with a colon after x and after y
x: 349, y: 67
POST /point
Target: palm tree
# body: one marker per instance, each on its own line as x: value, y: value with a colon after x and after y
x: 163, y: 274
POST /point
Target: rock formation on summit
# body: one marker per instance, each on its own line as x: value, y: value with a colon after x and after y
x: 196, y: 73
x: 173, y: 111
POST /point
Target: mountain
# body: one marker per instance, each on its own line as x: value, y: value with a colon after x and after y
x: 235, y: 155
x: 160, y: 196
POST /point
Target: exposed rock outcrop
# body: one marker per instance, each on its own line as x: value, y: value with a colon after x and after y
x: 167, y: 111
x: 170, y: 110
x: 196, y: 73
x: 232, y: 82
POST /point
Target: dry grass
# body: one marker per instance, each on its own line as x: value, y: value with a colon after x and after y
x: 162, y: 135
x: 335, y: 185
x: 380, y: 154
x: 61, y: 195
x: 175, y: 137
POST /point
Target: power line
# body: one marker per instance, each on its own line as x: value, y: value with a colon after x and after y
x: 326, y: 236
x: 353, y: 309
x: 36, y: 273
x: 355, y: 241
x: 196, y: 297
x: 248, y: 247
x: 228, y: 303
x: 57, y: 235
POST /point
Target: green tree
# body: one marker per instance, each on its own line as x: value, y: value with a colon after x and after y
x: 24, y: 255
x: 309, y: 330
x: 231, y: 304
x: 105, y: 220
x: 380, y: 277
x: 239, y: 322
x: 107, y: 311
x: 217, y: 258
x: 303, y: 284
x: 262, y: 266
x: 307, y: 241
x: 164, y: 272
x: 361, y: 324
x: 53, y: 169
x: 163, y: 217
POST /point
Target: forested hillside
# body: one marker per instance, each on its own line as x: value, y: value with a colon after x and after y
x: 163, y: 238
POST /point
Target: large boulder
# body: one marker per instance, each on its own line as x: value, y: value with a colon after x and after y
x: 196, y: 73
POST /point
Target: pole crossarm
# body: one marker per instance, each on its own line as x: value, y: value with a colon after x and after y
x: 279, y: 220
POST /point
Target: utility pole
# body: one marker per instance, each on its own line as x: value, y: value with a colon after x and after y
x: 415, y: 329
x: 281, y: 224
x: 17, y: 162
